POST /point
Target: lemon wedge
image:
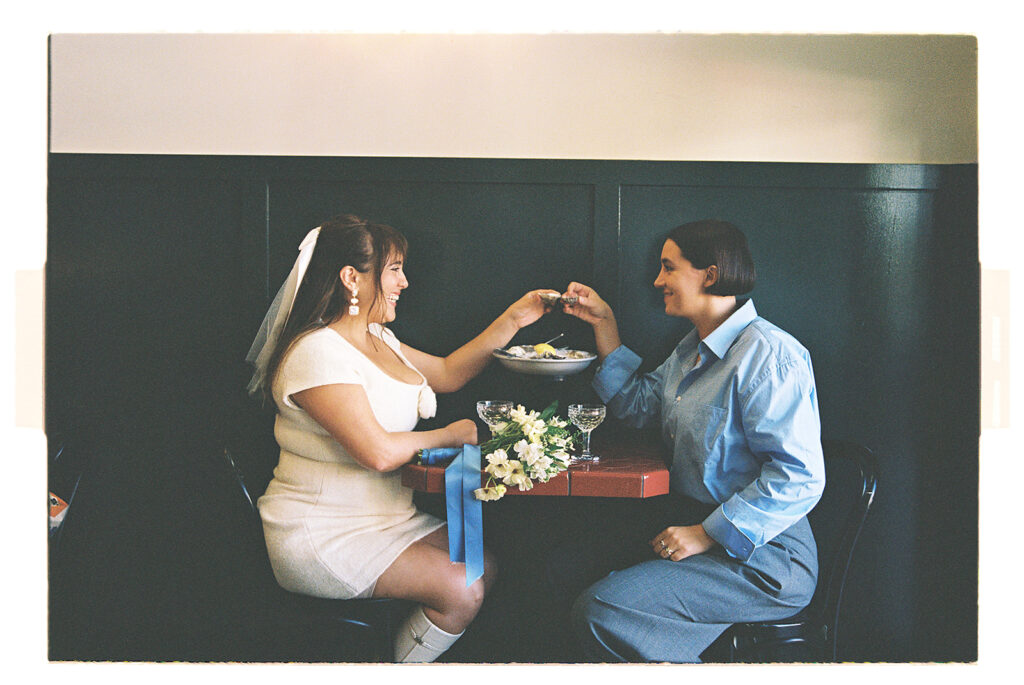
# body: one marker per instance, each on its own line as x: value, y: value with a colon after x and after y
x: 543, y: 349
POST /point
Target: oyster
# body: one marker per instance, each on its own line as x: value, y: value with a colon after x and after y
x: 552, y: 299
x: 544, y: 351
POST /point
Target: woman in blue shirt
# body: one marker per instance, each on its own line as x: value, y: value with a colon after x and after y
x: 737, y: 408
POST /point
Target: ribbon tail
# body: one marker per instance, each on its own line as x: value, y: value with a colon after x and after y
x: 472, y: 512
x: 438, y: 454
x: 453, y: 503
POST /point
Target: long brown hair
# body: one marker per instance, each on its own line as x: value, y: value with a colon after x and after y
x: 345, y: 240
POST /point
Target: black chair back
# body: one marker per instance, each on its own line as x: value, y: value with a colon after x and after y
x: 64, y: 473
x: 343, y: 630
x: 837, y: 521
x: 246, y: 497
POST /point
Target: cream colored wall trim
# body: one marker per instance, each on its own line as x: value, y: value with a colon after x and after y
x: 28, y: 348
x: 799, y: 98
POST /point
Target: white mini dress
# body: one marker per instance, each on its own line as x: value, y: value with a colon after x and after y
x: 332, y: 526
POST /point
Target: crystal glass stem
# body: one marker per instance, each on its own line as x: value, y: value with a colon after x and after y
x: 586, y: 444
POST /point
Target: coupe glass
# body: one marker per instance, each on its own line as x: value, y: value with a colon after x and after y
x: 494, y: 412
x: 586, y: 417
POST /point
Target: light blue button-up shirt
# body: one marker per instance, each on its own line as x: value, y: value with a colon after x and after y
x: 739, y: 412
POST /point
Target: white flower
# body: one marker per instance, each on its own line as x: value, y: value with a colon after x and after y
x: 490, y: 493
x: 523, y: 481
x: 523, y: 417
x: 520, y: 446
x: 517, y: 476
x: 518, y: 414
x: 426, y: 403
x: 498, y: 456
x: 498, y: 464
x: 531, y: 453
x: 539, y: 467
x: 544, y: 462
x: 535, y: 430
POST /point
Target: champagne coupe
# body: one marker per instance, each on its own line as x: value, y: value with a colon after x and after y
x: 586, y: 417
x: 494, y: 412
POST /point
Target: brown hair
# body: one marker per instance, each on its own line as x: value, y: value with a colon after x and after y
x: 711, y: 241
x: 345, y: 240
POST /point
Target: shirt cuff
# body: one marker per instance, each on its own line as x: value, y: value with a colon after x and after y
x: 727, y: 535
x: 615, y: 371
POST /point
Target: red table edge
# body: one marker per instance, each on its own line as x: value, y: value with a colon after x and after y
x: 576, y: 483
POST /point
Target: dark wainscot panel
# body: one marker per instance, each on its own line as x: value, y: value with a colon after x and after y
x: 159, y: 270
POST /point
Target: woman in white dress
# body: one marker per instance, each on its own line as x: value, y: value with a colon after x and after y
x: 337, y: 520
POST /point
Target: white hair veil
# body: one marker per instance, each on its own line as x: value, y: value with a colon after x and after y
x: 266, y: 340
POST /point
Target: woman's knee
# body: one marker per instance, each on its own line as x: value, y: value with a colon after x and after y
x: 584, y: 611
x: 472, y: 596
x: 456, y: 598
x: 592, y: 625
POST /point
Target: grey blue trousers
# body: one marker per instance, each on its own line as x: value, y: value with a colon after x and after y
x: 636, y: 607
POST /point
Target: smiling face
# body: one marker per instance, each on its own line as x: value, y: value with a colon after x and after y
x: 392, y: 283
x: 682, y: 284
x: 377, y: 301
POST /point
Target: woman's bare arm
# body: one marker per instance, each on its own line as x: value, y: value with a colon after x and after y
x: 448, y: 374
x: 344, y: 411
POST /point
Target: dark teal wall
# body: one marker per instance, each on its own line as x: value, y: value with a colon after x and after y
x: 160, y: 268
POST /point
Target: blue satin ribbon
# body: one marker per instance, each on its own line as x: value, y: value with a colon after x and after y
x: 435, y: 455
x: 465, y: 513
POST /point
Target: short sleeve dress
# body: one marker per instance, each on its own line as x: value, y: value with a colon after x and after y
x: 333, y: 526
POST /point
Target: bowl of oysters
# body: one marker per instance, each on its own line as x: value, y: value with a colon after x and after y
x: 544, y: 359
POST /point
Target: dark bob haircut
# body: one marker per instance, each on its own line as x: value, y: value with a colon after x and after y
x: 711, y: 241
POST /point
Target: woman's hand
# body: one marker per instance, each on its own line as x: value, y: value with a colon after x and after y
x: 463, y: 432
x: 589, y: 305
x: 678, y: 542
x: 595, y: 311
x: 528, y: 308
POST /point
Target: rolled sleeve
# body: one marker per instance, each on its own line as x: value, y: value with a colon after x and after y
x: 727, y: 535
x: 616, y: 369
x: 634, y: 398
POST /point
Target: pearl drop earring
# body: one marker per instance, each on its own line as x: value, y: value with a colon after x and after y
x: 353, y: 309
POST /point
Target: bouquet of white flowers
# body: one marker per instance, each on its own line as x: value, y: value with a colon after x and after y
x: 530, y: 446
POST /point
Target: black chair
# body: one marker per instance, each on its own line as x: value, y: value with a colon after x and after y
x: 837, y: 520
x: 64, y: 473
x: 72, y: 629
x: 303, y: 628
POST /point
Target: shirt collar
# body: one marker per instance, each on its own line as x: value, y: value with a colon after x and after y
x: 721, y: 339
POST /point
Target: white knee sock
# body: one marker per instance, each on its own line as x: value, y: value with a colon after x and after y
x: 420, y: 641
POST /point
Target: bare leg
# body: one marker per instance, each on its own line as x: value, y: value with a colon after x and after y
x: 424, y: 573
